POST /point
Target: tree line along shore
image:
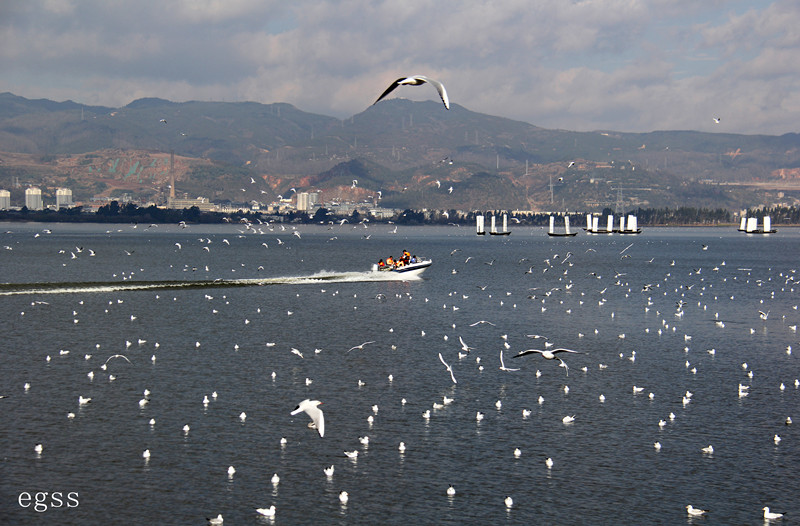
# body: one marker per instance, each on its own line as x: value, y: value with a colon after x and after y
x: 130, y: 213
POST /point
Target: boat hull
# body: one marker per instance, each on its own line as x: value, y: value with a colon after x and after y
x: 410, y: 271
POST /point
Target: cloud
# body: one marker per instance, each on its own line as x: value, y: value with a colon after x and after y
x: 630, y: 65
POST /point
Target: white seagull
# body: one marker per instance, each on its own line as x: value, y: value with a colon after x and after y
x: 416, y: 80
x: 266, y: 512
x: 359, y: 346
x: 117, y: 356
x: 549, y: 355
x: 694, y: 512
x: 311, y: 409
x: 503, y: 365
x: 449, y: 369
x: 769, y: 515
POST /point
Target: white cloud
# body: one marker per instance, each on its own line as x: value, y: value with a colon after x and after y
x: 631, y: 65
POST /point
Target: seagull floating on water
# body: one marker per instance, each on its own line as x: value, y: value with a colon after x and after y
x: 417, y: 80
x: 694, y: 512
x: 769, y: 515
x: 266, y: 512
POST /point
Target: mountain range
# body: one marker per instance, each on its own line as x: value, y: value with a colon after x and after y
x: 398, y: 153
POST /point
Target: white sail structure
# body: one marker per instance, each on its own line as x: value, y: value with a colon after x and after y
x: 622, y: 223
x: 767, y: 224
x: 566, y: 233
x: 633, y: 224
x: 479, y: 224
x: 505, y: 231
x: 610, y: 223
x: 752, y: 225
x: 743, y: 224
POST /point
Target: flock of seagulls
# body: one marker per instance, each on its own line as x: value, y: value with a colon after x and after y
x: 472, y: 397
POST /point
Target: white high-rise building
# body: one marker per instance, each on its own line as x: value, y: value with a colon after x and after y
x: 5, y: 199
x: 33, y: 198
x: 64, y: 198
x: 307, y: 200
x: 302, y: 201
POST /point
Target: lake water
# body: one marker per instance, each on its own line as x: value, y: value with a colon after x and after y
x: 228, y: 337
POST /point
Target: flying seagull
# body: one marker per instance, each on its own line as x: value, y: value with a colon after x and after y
x: 117, y: 356
x: 311, y: 409
x: 449, y: 369
x: 549, y: 355
x: 359, y: 346
x: 416, y: 80
x: 503, y: 365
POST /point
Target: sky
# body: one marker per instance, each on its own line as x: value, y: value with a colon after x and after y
x: 584, y: 65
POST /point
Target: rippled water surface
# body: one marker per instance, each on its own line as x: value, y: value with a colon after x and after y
x: 218, y: 309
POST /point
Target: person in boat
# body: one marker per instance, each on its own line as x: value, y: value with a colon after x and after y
x: 381, y: 265
x: 406, y: 256
x: 390, y: 262
x: 414, y: 259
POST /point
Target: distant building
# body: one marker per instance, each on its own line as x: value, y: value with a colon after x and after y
x: 5, y: 199
x: 33, y: 198
x: 64, y: 198
x: 307, y: 201
x: 201, y: 202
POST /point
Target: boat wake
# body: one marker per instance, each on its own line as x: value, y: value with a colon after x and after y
x: 15, y: 289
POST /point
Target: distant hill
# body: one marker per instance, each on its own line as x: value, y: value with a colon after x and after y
x: 416, y: 154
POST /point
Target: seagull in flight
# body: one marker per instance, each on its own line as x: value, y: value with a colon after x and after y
x: 359, y: 346
x: 117, y: 356
x: 503, y: 365
x: 480, y: 322
x: 311, y: 409
x: 549, y: 355
x: 416, y: 80
x: 449, y: 369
